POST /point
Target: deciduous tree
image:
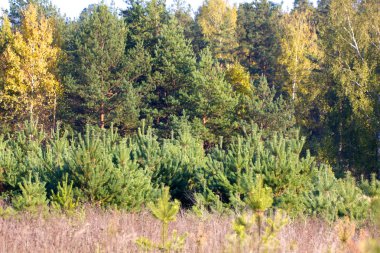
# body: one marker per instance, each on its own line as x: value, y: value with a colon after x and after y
x: 217, y: 20
x: 30, y: 86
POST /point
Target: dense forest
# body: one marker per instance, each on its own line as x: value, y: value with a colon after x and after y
x: 231, y: 107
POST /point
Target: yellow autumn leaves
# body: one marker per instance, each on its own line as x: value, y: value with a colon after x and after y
x: 299, y: 52
x: 218, y: 23
x: 30, y: 87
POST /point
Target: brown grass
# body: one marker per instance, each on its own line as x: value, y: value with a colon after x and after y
x: 112, y: 231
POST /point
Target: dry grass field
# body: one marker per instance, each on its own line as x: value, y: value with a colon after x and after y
x: 111, y: 231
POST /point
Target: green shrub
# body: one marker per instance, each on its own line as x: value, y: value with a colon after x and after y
x: 182, y: 157
x: 370, y: 187
x: 260, y: 198
x: 331, y: 198
x: 32, y: 197
x: 106, y: 169
x: 231, y: 173
x: 64, y: 198
x: 165, y: 211
x: 100, y: 166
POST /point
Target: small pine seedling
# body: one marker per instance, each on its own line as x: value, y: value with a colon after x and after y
x: 64, y: 198
x: 165, y: 211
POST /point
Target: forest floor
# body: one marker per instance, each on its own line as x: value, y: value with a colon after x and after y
x: 95, y: 230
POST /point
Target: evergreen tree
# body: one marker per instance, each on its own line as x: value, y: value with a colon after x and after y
x: 17, y: 7
x: 264, y: 108
x: 302, y: 5
x: 211, y: 97
x: 144, y: 20
x: 259, y: 38
x: 173, y: 65
x: 33, y: 196
x: 97, y: 85
x: 183, y: 13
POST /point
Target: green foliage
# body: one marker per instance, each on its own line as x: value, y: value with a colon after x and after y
x: 211, y: 98
x: 173, y: 64
x: 182, y: 158
x: 144, y: 20
x: 370, y: 187
x: 165, y: 211
x: 8, y: 212
x: 22, y: 153
x: 32, y: 197
x: 260, y: 198
x: 266, y: 109
x: 96, y: 82
x: 100, y: 166
x: 230, y: 173
x: 257, y: 231
x: 259, y: 37
x: 64, y: 198
x: 331, y: 198
x: 223, y: 136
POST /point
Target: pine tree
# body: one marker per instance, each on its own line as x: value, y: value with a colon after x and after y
x: 100, y: 166
x: 64, y: 198
x: 144, y: 20
x: 183, y: 13
x: 97, y: 86
x: 32, y: 197
x: 182, y: 157
x: 211, y: 97
x: 165, y: 211
x: 173, y: 65
x: 231, y: 173
x: 17, y: 7
x: 264, y: 108
x: 259, y: 38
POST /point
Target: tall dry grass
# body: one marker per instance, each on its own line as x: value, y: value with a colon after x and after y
x: 113, y: 231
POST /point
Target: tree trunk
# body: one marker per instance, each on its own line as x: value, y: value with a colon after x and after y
x: 204, y: 119
x: 294, y: 86
x: 378, y: 136
x: 378, y: 150
x: 340, y: 134
x: 101, y: 122
x: 55, y: 110
x: 294, y: 90
x: 31, y: 101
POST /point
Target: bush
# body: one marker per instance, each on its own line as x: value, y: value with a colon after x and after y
x: 32, y: 197
x: 100, y: 166
x: 331, y: 198
x: 106, y: 170
x: 370, y: 187
x: 230, y: 174
x: 64, y: 198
